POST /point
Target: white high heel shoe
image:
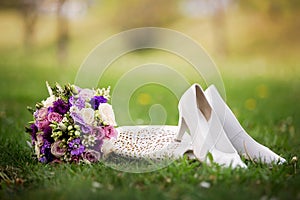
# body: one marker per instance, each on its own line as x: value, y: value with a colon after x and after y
x: 206, y: 131
x: 239, y: 138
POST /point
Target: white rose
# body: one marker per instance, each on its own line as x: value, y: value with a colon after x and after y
x: 107, y: 114
x: 87, y: 115
x: 49, y: 101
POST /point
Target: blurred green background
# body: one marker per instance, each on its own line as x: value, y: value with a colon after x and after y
x: 49, y: 39
x: 255, y: 44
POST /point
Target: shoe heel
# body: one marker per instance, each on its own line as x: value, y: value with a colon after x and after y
x: 182, y: 128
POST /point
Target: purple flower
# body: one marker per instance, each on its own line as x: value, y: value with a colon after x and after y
x: 91, y: 155
x: 48, y: 155
x: 43, y: 159
x: 85, y: 128
x: 98, y: 145
x: 77, y: 118
x: 76, y: 147
x: 47, y: 133
x: 34, y: 130
x: 96, y: 100
x: 79, y: 102
x: 46, y: 150
x: 60, y: 106
x: 46, y: 145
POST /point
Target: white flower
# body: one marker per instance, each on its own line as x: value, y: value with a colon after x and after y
x: 49, y: 101
x: 74, y: 109
x: 89, y: 140
x: 104, y: 92
x: 107, y: 114
x: 87, y: 115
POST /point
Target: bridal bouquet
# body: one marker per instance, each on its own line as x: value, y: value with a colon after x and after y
x: 72, y: 125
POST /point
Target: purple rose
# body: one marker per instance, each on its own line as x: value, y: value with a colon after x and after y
x: 110, y: 131
x: 91, y: 155
x: 54, y: 117
x: 76, y: 147
x: 60, y: 106
x: 96, y: 100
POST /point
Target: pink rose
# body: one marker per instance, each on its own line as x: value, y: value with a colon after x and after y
x: 41, y: 114
x: 110, y: 131
x: 54, y: 117
x: 42, y: 124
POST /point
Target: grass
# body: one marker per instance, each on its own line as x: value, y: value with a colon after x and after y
x: 267, y: 108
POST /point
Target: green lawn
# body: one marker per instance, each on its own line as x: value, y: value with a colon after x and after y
x: 267, y: 106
